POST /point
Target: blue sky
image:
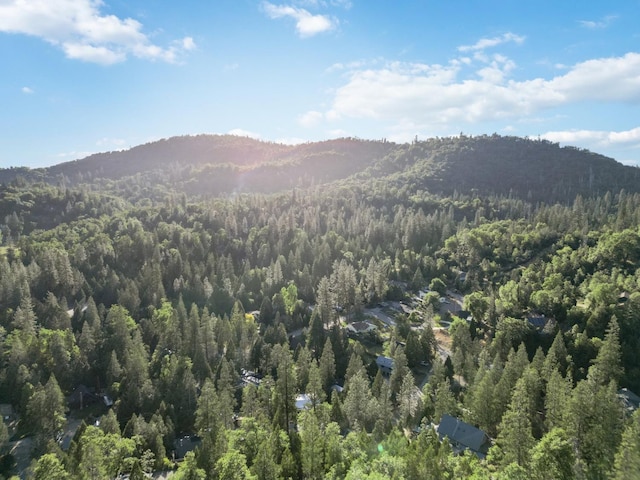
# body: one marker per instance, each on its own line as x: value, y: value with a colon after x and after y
x: 85, y: 76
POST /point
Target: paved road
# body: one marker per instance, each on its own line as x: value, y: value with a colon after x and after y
x: 21, y: 451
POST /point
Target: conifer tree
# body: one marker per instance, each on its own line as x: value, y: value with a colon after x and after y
x: 515, y: 438
x: 327, y: 366
x: 552, y: 458
x: 627, y: 460
x: 607, y: 367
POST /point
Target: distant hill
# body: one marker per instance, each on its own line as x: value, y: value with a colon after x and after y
x: 222, y: 164
x: 536, y: 170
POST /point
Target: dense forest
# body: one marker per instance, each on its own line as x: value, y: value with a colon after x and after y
x: 222, y: 308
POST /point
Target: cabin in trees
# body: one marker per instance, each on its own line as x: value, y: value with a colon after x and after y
x: 630, y: 401
x: 303, y: 401
x: 81, y: 397
x: 385, y: 364
x: 540, y: 322
x: 463, y: 436
x: 360, y: 328
x: 184, y: 445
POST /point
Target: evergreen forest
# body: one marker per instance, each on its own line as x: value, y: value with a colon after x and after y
x: 216, y: 307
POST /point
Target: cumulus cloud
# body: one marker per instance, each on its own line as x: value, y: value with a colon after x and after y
x: 310, y: 119
x: 462, y: 92
x: 307, y: 24
x: 83, y: 32
x: 27, y: 90
x: 596, y: 137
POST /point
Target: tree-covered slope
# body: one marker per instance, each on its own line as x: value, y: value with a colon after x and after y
x: 165, y: 302
x: 212, y: 165
x: 534, y: 170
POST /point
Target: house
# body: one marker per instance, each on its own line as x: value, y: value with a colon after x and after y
x: 463, y: 436
x: 81, y: 397
x: 385, y: 364
x: 540, y: 322
x: 630, y: 401
x: 185, y: 444
x: 358, y: 328
x: 303, y: 401
x: 249, y: 378
x: 7, y: 412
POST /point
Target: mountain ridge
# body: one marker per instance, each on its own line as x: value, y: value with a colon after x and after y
x: 536, y: 170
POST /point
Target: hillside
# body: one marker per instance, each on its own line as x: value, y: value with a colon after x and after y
x: 214, y: 165
x: 533, y: 170
x: 117, y: 279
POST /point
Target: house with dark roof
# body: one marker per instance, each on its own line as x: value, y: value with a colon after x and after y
x: 7, y: 412
x: 81, y: 397
x: 358, y: 328
x: 463, y: 436
x: 541, y: 323
x: 385, y: 364
x: 630, y: 401
x: 185, y: 444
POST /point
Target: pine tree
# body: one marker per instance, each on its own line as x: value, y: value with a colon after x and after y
x: 481, y: 403
x: 627, y: 460
x: 408, y: 400
x: 515, y: 438
x: 555, y: 401
x: 594, y: 420
x: 556, y: 358
x: 315, y: 389
x: 444, y: 401
x: 312, y: 450
x: 552, y: 458
x: 607, y: 367
x: 45, y: 411
x: 265, y: 466
x: 47, y: 467
x: 327, y: 366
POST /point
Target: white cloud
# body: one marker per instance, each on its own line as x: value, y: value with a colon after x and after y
x: 480, y: 91
x: 336, y: 67
x: 485, y: 43
x: 291, y: 140
x: 83, y: 32
x: 598, y: 138
x: 598, y: 24
x: 244, y: 133
x: 346, y: 4
x: 339, y: 133
x: 310, y: 119
x: 188, y: 44
x: 307, y: 24
x: 27, y: 90
x: 89, y: 53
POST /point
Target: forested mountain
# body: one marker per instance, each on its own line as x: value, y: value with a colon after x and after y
x: 162, y: 303
x: 213, y: 164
